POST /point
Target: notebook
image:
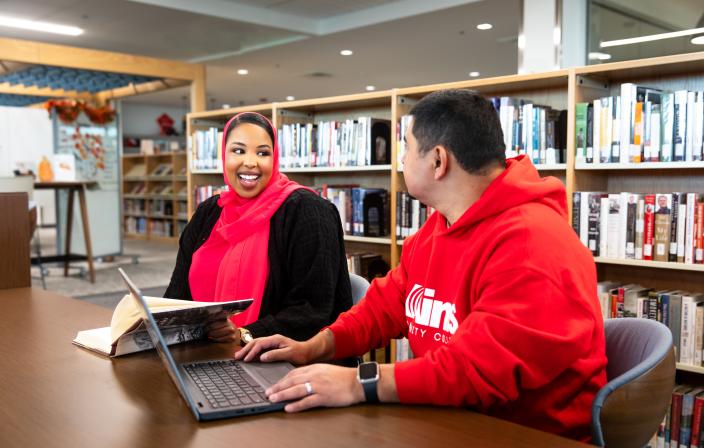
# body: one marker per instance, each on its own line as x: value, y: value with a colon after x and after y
x: 219, y: 388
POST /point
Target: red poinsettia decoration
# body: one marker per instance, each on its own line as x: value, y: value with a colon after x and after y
x: 68, y: 111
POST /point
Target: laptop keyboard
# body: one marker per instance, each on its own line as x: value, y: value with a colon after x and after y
x: 225, y: 384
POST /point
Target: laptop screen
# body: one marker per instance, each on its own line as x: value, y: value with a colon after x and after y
x: 158, y: 340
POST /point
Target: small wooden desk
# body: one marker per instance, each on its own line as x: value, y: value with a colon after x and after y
x: 56, y: 394
x: 80, y: 188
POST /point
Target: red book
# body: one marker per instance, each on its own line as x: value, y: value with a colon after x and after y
x: 649, y: 227
x: 619, y: 302
x: 697, y: 419
x: 676, y: 412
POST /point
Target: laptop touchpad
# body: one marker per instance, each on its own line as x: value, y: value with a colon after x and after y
x: 268, y: 373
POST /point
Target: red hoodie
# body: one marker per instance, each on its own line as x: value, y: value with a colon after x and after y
x: 500, y: 310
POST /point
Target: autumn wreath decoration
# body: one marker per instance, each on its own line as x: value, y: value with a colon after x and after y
x: 68, y: 111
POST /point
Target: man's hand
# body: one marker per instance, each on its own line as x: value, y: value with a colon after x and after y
x: 274, y: 348
x: 222, y: 330
x: 320, y: 347
x: 317, y: 385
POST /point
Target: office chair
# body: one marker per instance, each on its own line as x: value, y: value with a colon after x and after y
x: 25, y: 184
x: 641, y: 376
x: 359, y: 287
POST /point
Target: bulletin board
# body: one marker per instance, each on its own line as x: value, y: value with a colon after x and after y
x: 96, y: 149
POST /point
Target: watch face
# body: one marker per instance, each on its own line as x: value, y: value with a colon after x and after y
x: 368, y: 370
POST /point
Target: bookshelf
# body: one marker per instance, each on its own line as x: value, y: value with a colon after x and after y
x: 154, y: 195
x: 560, y: 89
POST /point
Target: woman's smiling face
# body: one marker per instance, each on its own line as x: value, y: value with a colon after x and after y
x: 249, y: 159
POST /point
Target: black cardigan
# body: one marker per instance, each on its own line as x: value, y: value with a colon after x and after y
x: 308, y: 284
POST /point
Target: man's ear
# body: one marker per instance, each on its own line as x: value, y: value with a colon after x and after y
x: 441, y: 160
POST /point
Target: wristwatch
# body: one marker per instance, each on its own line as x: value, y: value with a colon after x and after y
x: 245, y: 336
x: 368, y: 377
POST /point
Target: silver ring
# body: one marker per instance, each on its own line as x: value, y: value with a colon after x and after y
x: 309, y: 388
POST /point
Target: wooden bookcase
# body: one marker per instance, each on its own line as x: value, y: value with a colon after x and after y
x: 154, y: 189
x: 561, y: 89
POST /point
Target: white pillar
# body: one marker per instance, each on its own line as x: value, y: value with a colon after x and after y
x: 539, y: 36
x: 574, y: 41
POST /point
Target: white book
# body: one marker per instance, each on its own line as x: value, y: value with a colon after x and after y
x: 667, y: 112
x: 627, y: 98
x: 689, y: 229
x: 698, y: 133
x: 613, y: 221
x: 681, y: 223
x: 688, y: 327
x: 584, y: 218
x: 603, y: 226
x: 622, y: 224
x: 596, y: 132
x: 689, y: 133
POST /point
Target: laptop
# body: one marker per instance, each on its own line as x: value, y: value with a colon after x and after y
x: 215, y: 389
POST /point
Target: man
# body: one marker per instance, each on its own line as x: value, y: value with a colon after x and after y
x: 495, y: 293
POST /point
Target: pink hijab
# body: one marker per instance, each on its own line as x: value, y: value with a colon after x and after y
x: 233, y: 263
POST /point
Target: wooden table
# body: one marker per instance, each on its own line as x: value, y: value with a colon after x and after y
x: 56, y: 394
x: 80, y: 188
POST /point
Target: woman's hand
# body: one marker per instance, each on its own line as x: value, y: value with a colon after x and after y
x: 223, y: 330
x: 317, y: 385
x: 274, y: 348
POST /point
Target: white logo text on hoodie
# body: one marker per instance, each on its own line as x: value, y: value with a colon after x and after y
x: 424, y: 309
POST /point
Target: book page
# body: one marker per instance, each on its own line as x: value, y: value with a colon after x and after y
x: 97, y: 339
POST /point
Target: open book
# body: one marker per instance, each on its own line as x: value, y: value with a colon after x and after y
x: 179, y: 321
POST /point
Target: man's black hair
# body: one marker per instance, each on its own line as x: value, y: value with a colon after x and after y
x: 465, y: 123
x: 251, y: 118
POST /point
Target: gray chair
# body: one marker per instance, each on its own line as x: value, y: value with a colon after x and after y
x: 359, y: 287
x: 641, y: 376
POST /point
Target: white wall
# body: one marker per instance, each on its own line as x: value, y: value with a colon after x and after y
x: 25, y: 136
x: 140, y: 119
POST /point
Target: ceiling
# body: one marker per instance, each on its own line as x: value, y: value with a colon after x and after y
x: 291, y: 47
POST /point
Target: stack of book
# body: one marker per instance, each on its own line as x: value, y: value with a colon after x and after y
x: 362, y: 141
x: 363, y: 211
x: 659, y: 227
x: 642, y: 124
x: 411, y: 214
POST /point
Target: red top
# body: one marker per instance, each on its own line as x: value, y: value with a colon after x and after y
x: 500, y: 309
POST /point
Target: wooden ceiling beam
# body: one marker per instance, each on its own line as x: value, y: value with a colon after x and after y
x: 106, y: 61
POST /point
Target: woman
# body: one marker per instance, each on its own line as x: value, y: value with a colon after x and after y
x: 267, y: 238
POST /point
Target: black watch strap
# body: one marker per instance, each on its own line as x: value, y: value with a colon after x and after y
x: 370, y: 394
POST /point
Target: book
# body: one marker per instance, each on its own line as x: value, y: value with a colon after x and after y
x: 179, y: 320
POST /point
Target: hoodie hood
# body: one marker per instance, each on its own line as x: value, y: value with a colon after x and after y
x: 519, y: 184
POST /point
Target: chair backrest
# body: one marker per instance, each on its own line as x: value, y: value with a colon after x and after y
x: 641, y: 376
x: 14, y: 241
x: 17, y: 184
x: 359, y: 287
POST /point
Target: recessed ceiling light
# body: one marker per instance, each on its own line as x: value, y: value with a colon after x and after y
x: 473, y: 74
x: 225, y: 106
x: 346, y: 52
x: 699, y: 40
x: 290, y: 98
x: 243, y: 71
x: 599, y: 56
x: 370, y: 88
x: 485, y: 26
x: 44, y: 27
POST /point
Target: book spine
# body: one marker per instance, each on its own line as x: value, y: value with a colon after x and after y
x: 672, y: 253
x: 649, y: 229
x: 689, y: 229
